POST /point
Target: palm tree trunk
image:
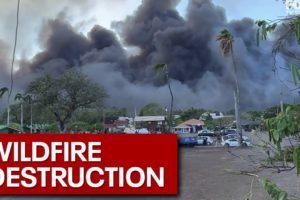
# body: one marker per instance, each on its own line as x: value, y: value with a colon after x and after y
x: 21, y: 117
x: 237, y: 99
x: 62, y: 127
x: 8, y: 113
x: 172, y: 103
x: 30, y: 116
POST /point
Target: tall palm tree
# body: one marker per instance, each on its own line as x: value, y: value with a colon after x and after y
x: 19, y: 97
x: 2, y: 92
x: 164, y: 68
x: 226, y: 46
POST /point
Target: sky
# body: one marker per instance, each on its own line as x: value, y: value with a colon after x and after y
x: 263, y: 9
x: 235, y: 9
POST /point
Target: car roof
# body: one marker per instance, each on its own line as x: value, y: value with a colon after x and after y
x: 204, y: 136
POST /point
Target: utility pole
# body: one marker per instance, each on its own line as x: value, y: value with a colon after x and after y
x: 134, y: 117
x: 8, y: 113
x: 30, y: 115
x: 166, y: 116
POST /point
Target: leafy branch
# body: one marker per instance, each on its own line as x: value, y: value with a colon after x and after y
x: 271, y: 188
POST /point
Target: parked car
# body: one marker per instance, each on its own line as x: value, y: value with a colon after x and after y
x: 229, y: 131
x: 206, y: 133
x: 234, y: 142
x: 201, y: 140
x: 187, y: 141
x: 142, y: 131
x: 233, y: 136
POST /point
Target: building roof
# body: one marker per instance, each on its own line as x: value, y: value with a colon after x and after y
x: 191, y: 122
x: 2, y: 128
x: 149, y: 118
x: 182, y: 126
x: 121, y: 122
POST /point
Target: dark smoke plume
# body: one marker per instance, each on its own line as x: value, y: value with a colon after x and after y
x: 189, y: 48
x: 201, y: 77
x: 64, y: 47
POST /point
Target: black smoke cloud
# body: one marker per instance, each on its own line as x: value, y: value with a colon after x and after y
x: 200, y: 76
x: 189, y: 48
x: 65, y: 48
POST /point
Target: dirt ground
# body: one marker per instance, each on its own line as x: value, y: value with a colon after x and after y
x: 204, y: 176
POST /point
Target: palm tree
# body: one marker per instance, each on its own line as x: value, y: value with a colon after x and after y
x: 2, y: 92
x: 20, y: 97
x: 226, y: 45
x: 164, y: 68
x: 28, y: 99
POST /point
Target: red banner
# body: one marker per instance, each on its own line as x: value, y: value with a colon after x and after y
x: 88, y: 164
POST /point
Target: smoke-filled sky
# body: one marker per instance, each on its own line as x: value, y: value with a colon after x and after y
x: 117, y: 43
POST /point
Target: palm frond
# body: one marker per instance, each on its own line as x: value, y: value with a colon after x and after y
x: 28, y: 98
x: 160, y: 67
x: 226, y: 41
x: 3, y: 91
x: 18, y: 96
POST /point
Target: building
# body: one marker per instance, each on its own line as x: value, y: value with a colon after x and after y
x: 190, y: 126
x: 248, y: 124
x: 217, y: 115
x: 214, y: 115
x: 118, y: 124
x: 5, y: 129
x: 152, y: 123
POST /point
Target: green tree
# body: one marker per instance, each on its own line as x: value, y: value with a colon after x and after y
x: 254, y: 115
x: 87, y: 115
x: 64, y: 94
x: 287, y: 32
x: 271, y: 112
x: 29, y: 100
x: 21, y: 98
x: 15, y: 114
x: 191, y: 113
x: 285, y: 123
x: 24, y: 98
x: 152, y: 109
x: 116, y: 112
x: 226, y: 46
